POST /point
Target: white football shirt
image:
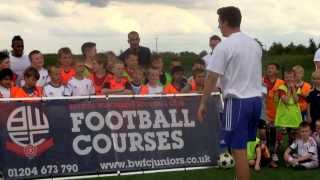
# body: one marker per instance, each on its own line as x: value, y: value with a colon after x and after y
x: 237, y: 59
x: 82, y: 87
x: 50, y: 91
x: 18, y: 65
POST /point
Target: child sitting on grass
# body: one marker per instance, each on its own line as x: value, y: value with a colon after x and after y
x: 303, y: 152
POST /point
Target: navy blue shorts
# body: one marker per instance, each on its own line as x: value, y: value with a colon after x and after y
x: 239, y: 122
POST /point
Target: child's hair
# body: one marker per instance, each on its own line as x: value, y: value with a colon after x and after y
x: 110, y: 55
x: 133, y: 53
x: 289, y: 71
x: 155, y: 58
x: 215, y: 37
x: 53, y: 68
x: 101, y: 59
x: 298, y: 68
x: 3, y: 55
x: 33, y: 52
x: 304, y: 124
x: 117, y: 61
x: 199, y: 61
x: 315, y: 75
x: 64, y: 50
x: 274, y: 64
x: 31, y: 72
x: 176, y: 59
x: 5, y: 73
x: 197, y: 71
x: 176, y: 69
x: 87, y: 45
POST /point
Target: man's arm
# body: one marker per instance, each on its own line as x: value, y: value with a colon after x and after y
x: 209, y: 86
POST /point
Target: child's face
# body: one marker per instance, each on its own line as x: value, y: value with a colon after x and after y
x: 91, y: 52
x: 55, y: 76
x: 137, y: 76
x: 299, y: 75
x: 316, y: 80
x: 6, y: 82
x: 110, y: 64
x: 305, y: 132
x: 118, y: 70
x: 5, y: 64
x: 96, y: 66
x: 66, y: 59
x: 158, y: 64
x: 262, y: 134
x: 271, y: 70
x: 153, y: 76
x: 198, y: 66
x: 132, y: 61
x: 37, y: 61
x: 79, y: 67
x: 199, y: 79
x: 30, y: 81
x: 178, y: 76
x: 289, y: 78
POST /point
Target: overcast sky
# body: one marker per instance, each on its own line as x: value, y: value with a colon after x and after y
x: 179, y: 25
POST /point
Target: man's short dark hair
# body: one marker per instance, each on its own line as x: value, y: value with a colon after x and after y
x: 33, y: 52
x: 87, y: 45
x: 5, y: 73
x: 16, y: 38
x: 31, y: 72
x: 3, y: 55
x: 230, y: 14
x: 215, y: 37
x: 133, y: 32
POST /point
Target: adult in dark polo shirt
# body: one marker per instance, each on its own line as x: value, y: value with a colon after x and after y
x: 143, y: 52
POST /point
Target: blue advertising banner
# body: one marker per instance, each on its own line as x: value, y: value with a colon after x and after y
x: 57, y: 138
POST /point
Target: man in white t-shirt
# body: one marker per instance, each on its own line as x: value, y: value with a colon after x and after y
x: 213, y: 42
x: 237, y: 64
x: 317, y: 59
x: 18, y: 61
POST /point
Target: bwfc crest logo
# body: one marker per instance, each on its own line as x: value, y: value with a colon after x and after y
x: 28, y: 130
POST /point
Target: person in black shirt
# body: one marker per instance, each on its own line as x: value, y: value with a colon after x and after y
x: 314, y: 99
x: 143, y: 52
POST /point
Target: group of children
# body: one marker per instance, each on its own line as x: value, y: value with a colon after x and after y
x: 97, y: 74
x: 290, y: 118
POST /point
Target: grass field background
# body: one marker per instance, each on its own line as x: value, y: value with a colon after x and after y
x: 282, y: 173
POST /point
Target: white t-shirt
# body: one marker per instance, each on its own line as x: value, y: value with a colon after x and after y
x: 4, y: 92
x: 51, y: 91
x: 155, y: 90
x: 19, y: 64
x: 43, y: 80
x: 82, y: 87
x: 207, y: 58
x: 306, y: 147
x: 237, y: 60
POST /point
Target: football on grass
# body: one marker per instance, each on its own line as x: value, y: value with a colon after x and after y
x: 225, y: 161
